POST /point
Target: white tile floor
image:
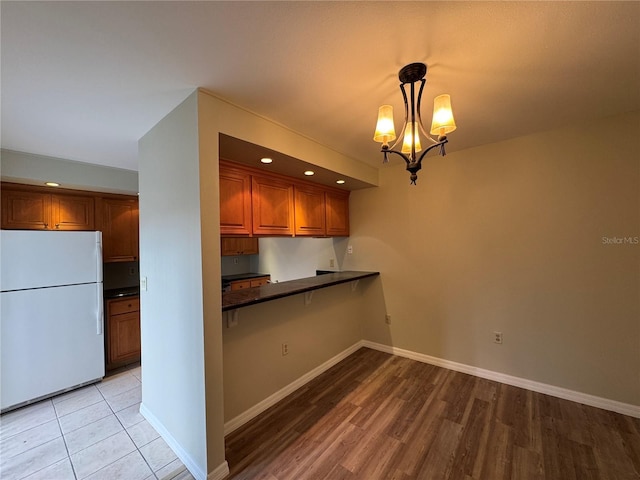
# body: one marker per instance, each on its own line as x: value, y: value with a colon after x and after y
x: 95, y: 432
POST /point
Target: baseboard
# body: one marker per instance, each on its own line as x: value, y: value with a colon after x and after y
x: 220, y: 472
x: 579, y: 397
x: 184, y: 457
x: 268, y: 402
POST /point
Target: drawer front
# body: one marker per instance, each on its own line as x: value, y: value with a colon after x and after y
x: 116, y: 307
x: 240, y: 285
x: 259, y: 282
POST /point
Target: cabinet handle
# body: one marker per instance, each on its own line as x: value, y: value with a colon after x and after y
x: 57, y: 225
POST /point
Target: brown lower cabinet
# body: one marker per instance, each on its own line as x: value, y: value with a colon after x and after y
x: 123, y: 331
x: 249, y: 283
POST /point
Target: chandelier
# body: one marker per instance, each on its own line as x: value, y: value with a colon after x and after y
x: 412, y: 151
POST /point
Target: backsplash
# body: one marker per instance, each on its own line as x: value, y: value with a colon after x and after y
x: 286, y: 258
x: 121, y: 275
x: 244, y: 265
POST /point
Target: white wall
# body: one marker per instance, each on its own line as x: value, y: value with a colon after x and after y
x: 508, y: 237
x: 286, y: 258
x: 173, y: 391
x: 32, y: 169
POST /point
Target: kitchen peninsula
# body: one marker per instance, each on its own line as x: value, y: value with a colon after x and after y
x: 273, y: 291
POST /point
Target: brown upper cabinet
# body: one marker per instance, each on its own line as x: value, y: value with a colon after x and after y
x: 232, y: 246
x: 271, y: 206
x: 30, y: 208
x: 235, y: 202
x: 310, y: 215
x: 254, y: 203
x: 119, y: 225
x: 337, y: 204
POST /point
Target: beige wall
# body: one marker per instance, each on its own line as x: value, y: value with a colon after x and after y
x: 217, y: 116
x: 503, y: 237
x: 254, y: 367
x: 508, y: 237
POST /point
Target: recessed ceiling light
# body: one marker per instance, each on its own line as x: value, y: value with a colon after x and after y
x: 340, y: 182
x: 266, y: 160
x: 52, y: 184
x: 308, y: 173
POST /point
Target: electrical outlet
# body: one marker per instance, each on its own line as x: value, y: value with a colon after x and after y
x: 285, y: 349
x: 331, y: 263
x: 387, y: 319
x: 497, y: 337
x: 350, y: 249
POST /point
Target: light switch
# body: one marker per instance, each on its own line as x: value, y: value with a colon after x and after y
x: 143, y: 284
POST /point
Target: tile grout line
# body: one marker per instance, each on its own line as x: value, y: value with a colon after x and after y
x: 127, y: 432
x: 129, y: 435
x: 113, y: 413
x: 66, y: 447
x: 33, y: 427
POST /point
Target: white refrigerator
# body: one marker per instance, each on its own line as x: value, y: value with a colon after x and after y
x: 51, y: 323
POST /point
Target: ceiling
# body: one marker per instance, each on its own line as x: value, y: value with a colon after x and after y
x: 85, y: 80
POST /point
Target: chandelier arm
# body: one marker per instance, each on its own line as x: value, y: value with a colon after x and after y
x: 400, y: 137
x: 404, y: 157
x: 439, y: 144
x: 420, y: 126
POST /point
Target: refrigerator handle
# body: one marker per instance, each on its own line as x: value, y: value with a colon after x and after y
x: 99, y: 319
x: 99, y: 256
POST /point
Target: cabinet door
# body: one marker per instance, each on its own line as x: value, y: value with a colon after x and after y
x: 272, y: 203
x: 337, y: 214
x: 123, y: 328
x: 25, y: 210
x: 231, y: 246
x: 235, y: 202
x: 309, y: 211
x: 119, y: 229
x: 72, y: 212
x: 124, y: 338
x: 249, y: 246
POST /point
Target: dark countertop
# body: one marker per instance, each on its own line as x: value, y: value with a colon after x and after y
x: 242, y: 276
x: 273, y: 291
x: 121, y: 292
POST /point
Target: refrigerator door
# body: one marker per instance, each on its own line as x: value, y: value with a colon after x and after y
x: 51, y: 340
x: 35, y: 259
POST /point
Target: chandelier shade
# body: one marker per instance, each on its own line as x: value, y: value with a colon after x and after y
x: 443, y: 121
x: 385, y: 131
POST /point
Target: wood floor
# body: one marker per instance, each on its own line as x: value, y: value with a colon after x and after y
x: 377, y: 416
